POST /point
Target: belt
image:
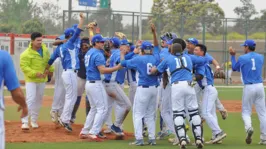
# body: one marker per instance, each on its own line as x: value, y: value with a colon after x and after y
x: 72, y: 70
x: 108, y: 81
x: 176, y: 82
x: 93, y: 81
x: 145, y: 86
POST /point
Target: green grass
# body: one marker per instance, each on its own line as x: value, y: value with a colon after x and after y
x: 233, y: 126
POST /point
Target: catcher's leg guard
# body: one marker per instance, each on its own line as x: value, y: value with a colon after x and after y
x: 195, y: 122
x: 179, y: 117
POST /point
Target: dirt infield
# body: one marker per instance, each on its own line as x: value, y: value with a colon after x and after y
x: 47, y: 132
x: 230, y: 105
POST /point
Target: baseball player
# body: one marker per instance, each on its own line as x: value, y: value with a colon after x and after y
x: 70, y: 63
x: 9, y: 78
x: 32, y: 64
x: 228, y: 71
x: 145, y: 101
x: 191, y: 45
x: 95, y: 66
x: 59, y: 90
x: 250, y: 66
x: 182, y: 94
x: 85, y: 45
x: 114, y: 88
x: 210, y: 94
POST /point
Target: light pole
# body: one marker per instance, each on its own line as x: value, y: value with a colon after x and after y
x: 140, y: 21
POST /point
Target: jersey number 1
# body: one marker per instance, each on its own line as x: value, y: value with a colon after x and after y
x: 253, y: 64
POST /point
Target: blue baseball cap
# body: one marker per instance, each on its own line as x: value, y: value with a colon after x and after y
x: 115, y: 41
x: 69, y: 31
x: 98, y: 38
x: 75, y: 26
x: 249, y: 43
x: 132, y: 47
x: 146, y: 45
x: 193, y: 41
x: 124, y: 42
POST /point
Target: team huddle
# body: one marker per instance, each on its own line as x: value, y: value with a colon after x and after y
x: 175, y: 77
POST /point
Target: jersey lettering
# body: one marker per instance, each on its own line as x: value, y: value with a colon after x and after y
x: 87, y: 60
x: 179, y: 63
x: 149, y: 67
x: 253, y: 64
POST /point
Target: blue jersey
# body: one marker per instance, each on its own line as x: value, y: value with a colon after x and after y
x: 112, y: 63
x: 69, y: 52
x: 93, y: 59
x: 8, y: 75
x: 164, y: 53
x: 175, y: 62
x: 120, y: 75
x: 143, y: 65
x: 250, y: 66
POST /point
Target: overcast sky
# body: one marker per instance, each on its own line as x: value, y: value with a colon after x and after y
x: 134, y: 5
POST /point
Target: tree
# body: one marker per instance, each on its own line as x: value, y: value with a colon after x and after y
x: 188, y: 16
x: 244, y: 12
x: 14, y: 12
x: 33, y: 25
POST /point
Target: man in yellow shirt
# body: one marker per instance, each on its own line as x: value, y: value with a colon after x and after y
x: 228, y: 71
x: 32, y: 63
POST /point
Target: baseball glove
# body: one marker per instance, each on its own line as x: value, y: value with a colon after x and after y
x: 219, y: 74
x: 92, y: 25
x: 120, y: 35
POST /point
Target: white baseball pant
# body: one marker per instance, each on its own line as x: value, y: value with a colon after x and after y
x: 166, y: 108
x: 254, y: 94
x: 2, y: 129
x: 145, y: 103
x: 34, y: 95
x: 184, y: 97
x: 81, y: 86
x: 70, y: 83
x: 122, y: 103
x: 132, y: 91
x: 98, y: 101
x: 209, y: 109
x: 59, y: 90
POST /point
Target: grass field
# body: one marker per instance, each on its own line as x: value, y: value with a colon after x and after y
x: 233, y: 126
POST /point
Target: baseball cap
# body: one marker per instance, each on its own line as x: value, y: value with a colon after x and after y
x: 146, y: 45
x: 193, y: 41
x: 69, y: 31
x: 98, y: 38
x: 132, y: 47
x: 75, y: 26
x: 249, y: 43
x: 124, y: 42
x: 115, y: 41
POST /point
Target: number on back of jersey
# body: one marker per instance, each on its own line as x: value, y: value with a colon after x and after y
x: 87, y: 60
x: 149, y: 67
x: 179, y: 63
x: 253, y: 64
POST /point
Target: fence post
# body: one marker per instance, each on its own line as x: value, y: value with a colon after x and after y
x: 203, y: 31
x: 226, y: 51
x: 133, y: 27
x: 137, y: 28
x: 63, y: 21
x: 246, y: 29
x: 182, y: 26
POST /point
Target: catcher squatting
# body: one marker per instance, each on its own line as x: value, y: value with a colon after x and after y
x: 175, y: 77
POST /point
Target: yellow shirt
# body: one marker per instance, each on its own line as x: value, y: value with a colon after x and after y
x: 228, y: 65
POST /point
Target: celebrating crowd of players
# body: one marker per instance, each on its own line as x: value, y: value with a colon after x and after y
x: 174, y: 76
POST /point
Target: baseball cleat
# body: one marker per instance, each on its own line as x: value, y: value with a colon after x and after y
x: 83, y: 136
x: 116, y: 130
x: 152, y: 142
x: 175, y: 141
x: 224, y: 114
x: 249, y: 135
x: 183, y: 144
x: 94, y: 138
x: 101, y: 135
x: 65, y: 125
x: 137, y: 143
x: 54, y: 117
x: 25, y: 126
x: 262, y: 142
x: 163, y: 134
x: 199, y: 144
x: 34, y: 125
x: 220, y: 136
x: 107, y: 131
x: 211, y: 142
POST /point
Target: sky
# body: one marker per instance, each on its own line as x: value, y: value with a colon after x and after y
x: 134, y: 5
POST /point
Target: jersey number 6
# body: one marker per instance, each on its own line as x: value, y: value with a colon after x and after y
x: 149, y: 67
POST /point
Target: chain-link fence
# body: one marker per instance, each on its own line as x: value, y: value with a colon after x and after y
x: 217, y: 33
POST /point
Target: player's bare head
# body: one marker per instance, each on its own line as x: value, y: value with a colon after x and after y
x: 249, y: 46
x: 36, y: 40
x: 200, y: 50
x: 181, y: 42
x: 176, y: 48
x: 85, y: 44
